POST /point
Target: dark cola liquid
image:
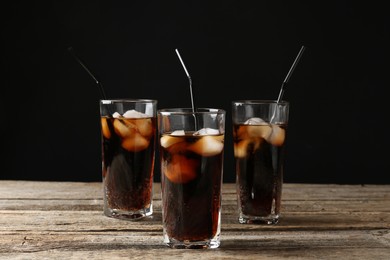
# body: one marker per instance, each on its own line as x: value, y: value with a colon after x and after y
x: 259, y: 171
x: 191, y: 189
x: 128, y: 162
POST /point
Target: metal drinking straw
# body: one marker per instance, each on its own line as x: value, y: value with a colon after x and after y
x: 284, y: 84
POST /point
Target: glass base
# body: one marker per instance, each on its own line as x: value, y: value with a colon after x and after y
x: 268, y: 220
x: 129, y: 215
x: 173, y: 243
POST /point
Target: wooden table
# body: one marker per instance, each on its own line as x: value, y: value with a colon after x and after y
x: 64, y: 220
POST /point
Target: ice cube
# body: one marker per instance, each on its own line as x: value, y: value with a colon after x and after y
x: 144, y: 127
x: 241, y: 148
x: 207, y: 131
x: 134, y: 114
x: 178, y: 133
x: 207, y: 146
x: 180, y: 169
x: 124, y: 129
x: 256, y: 128
x: 105, y: 130
x: 255, y: 121
x: 135, y: 143
x: 277, y: 136
x: 257, y: 131
x: 168, y: 140
x: 116, y: 115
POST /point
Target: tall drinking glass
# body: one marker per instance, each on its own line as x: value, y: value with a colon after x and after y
x: 191, y: 155
x: 128, y: 130
x: 259, y: 134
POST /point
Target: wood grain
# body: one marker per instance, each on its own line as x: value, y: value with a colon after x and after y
x: 46, y: 220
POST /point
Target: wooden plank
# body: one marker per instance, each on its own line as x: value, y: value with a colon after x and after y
x: 93, y: 190
x: 153, y: 252
x: 265, y: 244
x: 94, y: 220
x: 228, y: 207
x: 51, y: 190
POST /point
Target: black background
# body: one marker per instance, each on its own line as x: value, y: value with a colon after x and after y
x: 232, y: 49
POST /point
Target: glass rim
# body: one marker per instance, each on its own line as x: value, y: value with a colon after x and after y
x: 259, y: 101
x: 187, y: 111
x: 125, y: 100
